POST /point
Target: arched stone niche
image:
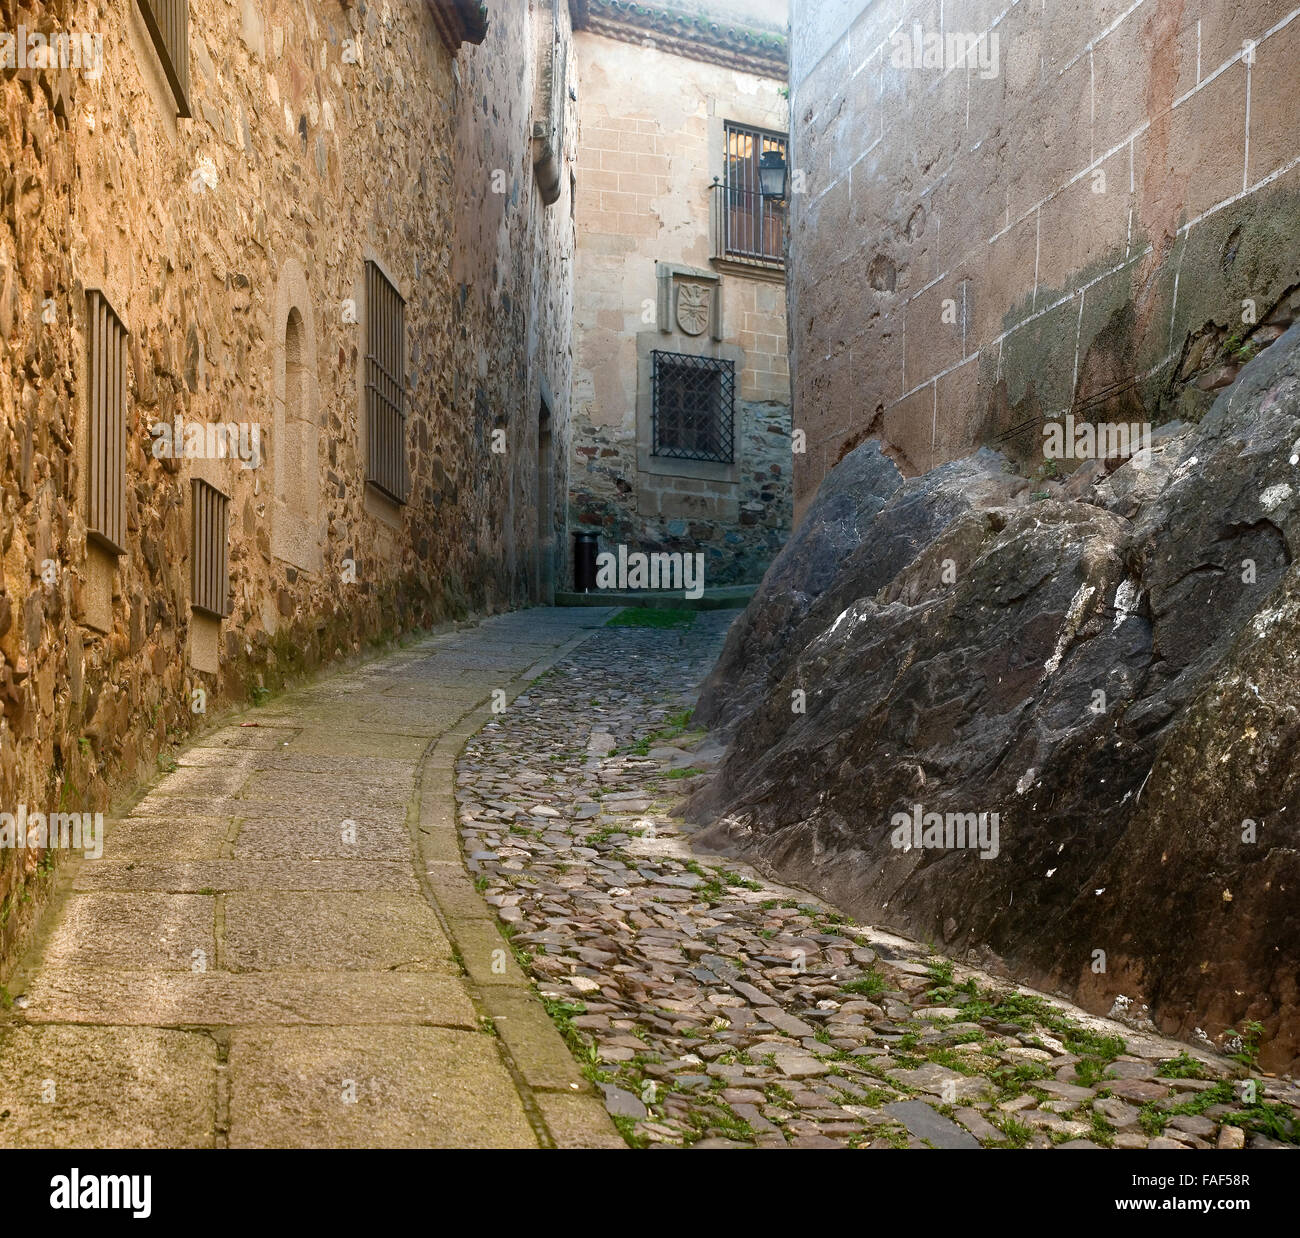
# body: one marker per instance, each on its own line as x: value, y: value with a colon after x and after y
x: 295, y: 430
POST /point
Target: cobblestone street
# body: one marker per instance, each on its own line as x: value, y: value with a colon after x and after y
x: 713, y: 1008
x: 240, y: 971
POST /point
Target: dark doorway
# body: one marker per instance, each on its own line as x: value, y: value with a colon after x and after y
x: 545, y: 509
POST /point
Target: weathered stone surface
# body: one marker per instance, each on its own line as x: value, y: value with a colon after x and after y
x: 1097, y: 683
x: 81, y: 1087
x: 1231, y: 1138
x: 988, y: 281
x: 622, y: 1103
x: 324, y: 1087
x: 134, y: 932
x: 1141, y: 1090
x: 334, y: 981
x: 931, y: 1127
x: 233, y: 248
x: 334, y: 931
x: 215, y: 998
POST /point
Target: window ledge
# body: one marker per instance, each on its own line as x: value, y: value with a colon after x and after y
x: 752, y: 268
x: 383, y: 507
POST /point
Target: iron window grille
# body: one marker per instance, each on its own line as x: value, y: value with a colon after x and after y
x: 693, y: 407
x: 169, y: 28
x: 386, y: 463
x: 106, y: 411
x: 210, y: 572
x: 753, y: 226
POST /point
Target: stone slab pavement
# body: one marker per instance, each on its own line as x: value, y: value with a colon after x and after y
x: 280, y: 945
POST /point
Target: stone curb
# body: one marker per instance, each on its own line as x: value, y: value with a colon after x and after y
x: 564, y: 1108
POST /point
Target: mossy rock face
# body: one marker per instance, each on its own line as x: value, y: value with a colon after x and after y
x: 1108, y: 663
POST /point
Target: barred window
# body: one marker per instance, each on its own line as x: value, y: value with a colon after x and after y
x: 169, y: 28
x: 106, y: 413
x: 210, y: 571
x: 386, y: 463
x: 693, y: 407
x: 754, y: 224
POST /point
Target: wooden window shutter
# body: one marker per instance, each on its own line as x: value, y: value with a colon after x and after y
x: 106, y: 411
x: 169, y: 28
x: 210, y: 574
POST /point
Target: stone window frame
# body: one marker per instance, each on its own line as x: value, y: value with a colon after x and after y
x: 666, y: 338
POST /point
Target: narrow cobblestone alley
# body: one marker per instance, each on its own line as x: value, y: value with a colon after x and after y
x: 716, y: 1009
x: 281, y: 946
x: 583, y: 575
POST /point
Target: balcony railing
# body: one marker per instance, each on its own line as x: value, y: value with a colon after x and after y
x: 747, y: 227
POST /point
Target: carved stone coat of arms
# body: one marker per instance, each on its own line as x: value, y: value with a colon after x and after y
x: 694, y: 308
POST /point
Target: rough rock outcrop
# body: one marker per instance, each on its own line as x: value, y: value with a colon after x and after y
x: 1110, y: 669
x: 834, y: 524
x: 831, y: 560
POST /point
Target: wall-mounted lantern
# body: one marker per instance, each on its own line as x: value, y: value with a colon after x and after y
x: 772, y: 175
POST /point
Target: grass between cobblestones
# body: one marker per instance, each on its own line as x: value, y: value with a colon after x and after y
x: 712, y: 1008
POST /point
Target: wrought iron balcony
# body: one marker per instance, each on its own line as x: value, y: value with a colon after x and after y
x: 747, y: 227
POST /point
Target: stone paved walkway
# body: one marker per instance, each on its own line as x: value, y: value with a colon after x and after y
x: 715, y: 1008
x: 282, y: 946
x: 273, y: 950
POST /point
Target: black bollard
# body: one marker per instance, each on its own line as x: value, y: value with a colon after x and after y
x: 584, y: 562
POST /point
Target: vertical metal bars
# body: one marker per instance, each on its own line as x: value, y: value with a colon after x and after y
x: 106, y: 411
x: 753, y: 223
x: 386, y: 463
x: 693, y: 407
x: 209, y: 552
x: 169, y: 28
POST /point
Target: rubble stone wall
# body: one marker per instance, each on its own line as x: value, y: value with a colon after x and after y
x: 232, y: 246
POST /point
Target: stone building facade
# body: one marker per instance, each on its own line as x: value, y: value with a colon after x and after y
x: 285, y: 314
x: 1017, y: 211
x: 681, y: 422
